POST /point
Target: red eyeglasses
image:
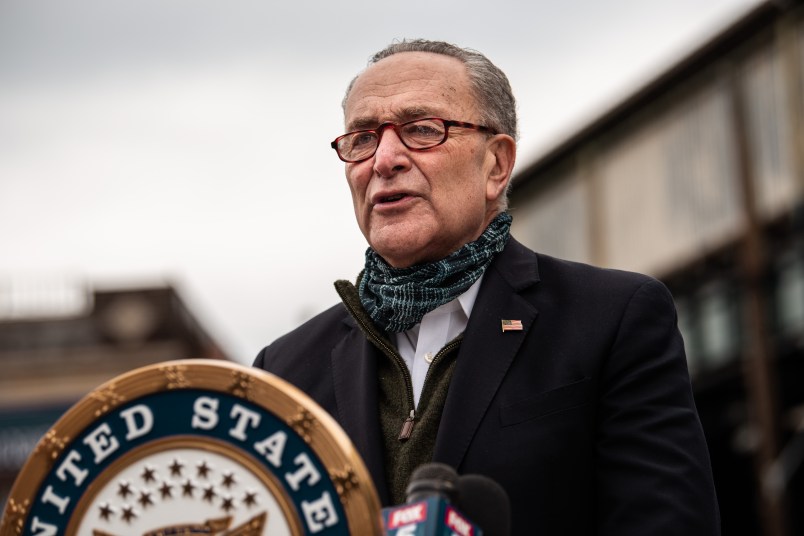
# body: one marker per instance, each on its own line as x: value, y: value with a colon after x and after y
x: 417, y: 135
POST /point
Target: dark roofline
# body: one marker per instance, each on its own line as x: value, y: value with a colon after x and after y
x: 725, y: 42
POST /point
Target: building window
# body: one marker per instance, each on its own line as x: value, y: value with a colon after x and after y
x: 789, y: 295
x: 719, y: 324
x: 688, y: 327
x: 769, y: 131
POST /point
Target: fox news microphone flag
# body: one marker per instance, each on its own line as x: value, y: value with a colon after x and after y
x: 433, y: 516
x: 194, y: 447
x: 441, y: 503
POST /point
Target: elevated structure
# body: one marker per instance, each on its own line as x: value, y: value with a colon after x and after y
x: 698, y: 179
x: 57, y: 345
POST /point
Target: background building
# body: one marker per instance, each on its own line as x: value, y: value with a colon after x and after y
x: 698, y: 179
x: 58, y: 343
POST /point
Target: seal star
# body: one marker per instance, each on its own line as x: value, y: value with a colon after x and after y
x: 187, y: 488
x: 175, y: 468
x: 203, y: 469
x: 106, y: 511
x: 228, y: 480
x: 209, y: 493
x: 128, y: 514
x: 227, y: 504
x: 124, y: 489
x: 250, y: 499
x: 165, y: 491
x: 148, y: 474
x: 145, y: 499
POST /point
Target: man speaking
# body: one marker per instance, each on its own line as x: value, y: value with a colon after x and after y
x: 565, y: 383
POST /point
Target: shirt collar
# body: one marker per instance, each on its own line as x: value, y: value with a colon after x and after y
x: 467, y: 299
x: 465, y: 302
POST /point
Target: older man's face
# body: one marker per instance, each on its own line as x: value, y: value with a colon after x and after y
x: 411, y: 206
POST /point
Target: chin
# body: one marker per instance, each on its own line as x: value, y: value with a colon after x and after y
x: 398, y: 255
x: 397, y: 239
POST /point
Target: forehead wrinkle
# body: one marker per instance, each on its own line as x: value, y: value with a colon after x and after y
x: 405, y: 87
x: 407, y: 113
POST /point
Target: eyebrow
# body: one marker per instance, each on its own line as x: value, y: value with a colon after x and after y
x: 407, y: 114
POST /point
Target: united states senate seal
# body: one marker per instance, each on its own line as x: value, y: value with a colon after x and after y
x: 194, y: 447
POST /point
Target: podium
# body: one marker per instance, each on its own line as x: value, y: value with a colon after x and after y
x: 194, y: 447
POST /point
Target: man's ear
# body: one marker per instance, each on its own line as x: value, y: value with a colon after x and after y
x: 501, y: 155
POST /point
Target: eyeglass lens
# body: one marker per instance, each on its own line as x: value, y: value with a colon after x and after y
x: 419, y: 134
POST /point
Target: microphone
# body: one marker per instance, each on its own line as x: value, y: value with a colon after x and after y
x: 440, y: 503
x: 486, y: 503
x: 432, y: 479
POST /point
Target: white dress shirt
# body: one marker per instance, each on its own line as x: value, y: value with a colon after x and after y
x: 419, y: 345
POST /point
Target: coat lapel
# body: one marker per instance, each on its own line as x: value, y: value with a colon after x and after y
x: 354, y: 371
x: 486, y: 351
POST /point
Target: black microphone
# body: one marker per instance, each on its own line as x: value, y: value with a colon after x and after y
x: 432, y: 479
x: 486, y: 503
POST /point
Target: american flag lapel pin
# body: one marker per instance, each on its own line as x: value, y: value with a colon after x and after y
x: 511, y: 325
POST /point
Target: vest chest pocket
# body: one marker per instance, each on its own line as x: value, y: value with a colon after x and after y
x: 556, y: 400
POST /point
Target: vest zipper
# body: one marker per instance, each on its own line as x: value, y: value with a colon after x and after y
x: 407, y: 425
x: 454, y: 343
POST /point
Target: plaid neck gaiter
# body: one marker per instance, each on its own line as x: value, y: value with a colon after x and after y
x: 397, y: 299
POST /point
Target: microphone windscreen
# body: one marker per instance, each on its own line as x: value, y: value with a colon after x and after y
x: 432, y: 479
x: 486, y: 503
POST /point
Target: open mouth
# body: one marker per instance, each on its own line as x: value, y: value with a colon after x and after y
x: 392, y: 198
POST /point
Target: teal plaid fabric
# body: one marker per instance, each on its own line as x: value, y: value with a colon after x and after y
x: 397, y: 299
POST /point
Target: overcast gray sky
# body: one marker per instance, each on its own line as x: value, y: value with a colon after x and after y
x: 187, y: 141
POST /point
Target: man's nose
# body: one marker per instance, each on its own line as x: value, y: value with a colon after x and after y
x: 391, y: 156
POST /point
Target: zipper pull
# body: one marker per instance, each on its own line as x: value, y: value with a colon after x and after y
x: 407, y: 426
